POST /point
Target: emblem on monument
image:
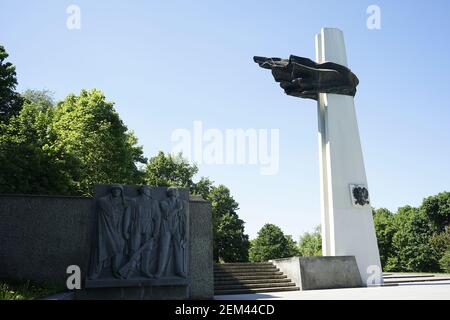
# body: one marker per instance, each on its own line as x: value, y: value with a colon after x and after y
x: 140, y: 233
x: 359, y: 195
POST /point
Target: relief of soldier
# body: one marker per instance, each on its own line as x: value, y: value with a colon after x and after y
x: 140, y: 236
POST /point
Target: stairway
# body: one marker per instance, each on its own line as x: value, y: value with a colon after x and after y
x: 244, y: 278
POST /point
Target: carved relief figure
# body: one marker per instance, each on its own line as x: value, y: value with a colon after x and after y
x: 140, y: 237
x: 144, y: 230
x: 113, y: 215
x: 173, y: 237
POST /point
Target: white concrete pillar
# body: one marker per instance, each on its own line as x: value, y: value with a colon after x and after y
x: 347, y: 229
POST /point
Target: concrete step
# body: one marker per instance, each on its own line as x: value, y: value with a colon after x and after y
x: 253, y: 286
x: 265, y: 280
x: 248, y: 273
x: 238, y: 269
x: 400, y: 276
x: 250, y: 291
x: 412, y: 280
x: 244, y: 278
x: 248, y: 277
x: 243, y: 264
x: 275, y: 269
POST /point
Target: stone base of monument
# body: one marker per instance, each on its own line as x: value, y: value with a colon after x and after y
x: 316, y: 273
x: 135, y: 289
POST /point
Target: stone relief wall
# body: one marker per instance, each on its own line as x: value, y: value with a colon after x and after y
x: 41, y: 236
x: 140, y: 233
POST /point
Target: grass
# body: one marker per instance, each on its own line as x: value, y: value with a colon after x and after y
x: 25, y: 291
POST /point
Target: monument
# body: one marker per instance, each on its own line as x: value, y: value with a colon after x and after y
x: 140, y: 242
x: 347, y: 223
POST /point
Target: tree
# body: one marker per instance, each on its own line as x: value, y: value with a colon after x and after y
x: 385, y: 229
x: 202, y: 187
x: 444, y: 262
x: 169, y: 170
x: 310, y: 244
x: 411, y: 243
x: 414, y: 239
x: 293, y: 247
x: 437, y: 209
x: 10, y: 100
x: 67, y: 148
x: 44, y: 98
x: 440, y: 244
x: 271, y: 243
x: 88, y: 129
x: 230, y: 242
x: 28, y: 165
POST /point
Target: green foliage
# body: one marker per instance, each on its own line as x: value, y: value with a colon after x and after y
x: 26, y: 291
x: 66, y: 149
x: 10, y: 100
x: 414, y: 239
x: 28, y: 165
x: 440, y: 244
x: 385, y: 229
x: 222, y: 202
x: 411, y: 242
x: 43, y: 98
x: 310, y: 244
x: 168, y: 170
x: 271, y: 243
x: 445, y: 262
x: 437, y: 209
x: 293, y: 247
x: 203, y: 187
x: 230, y: 242
x: 89, y: 130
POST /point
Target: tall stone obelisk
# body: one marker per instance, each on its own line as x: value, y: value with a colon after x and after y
x: 347, y: 223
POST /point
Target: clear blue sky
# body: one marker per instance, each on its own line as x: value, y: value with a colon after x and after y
x: 168, y: 63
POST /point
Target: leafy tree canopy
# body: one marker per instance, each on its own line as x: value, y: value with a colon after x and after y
x: 170, y: 170
x: 10, y: 100
x: 271, y: 243
x: 67, y: 148
x: 437, y: 208
x: 310, y: 244
x: 28, y: 163
x: 87, y: 128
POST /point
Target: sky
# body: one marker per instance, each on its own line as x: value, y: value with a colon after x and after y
x: 167, y: 64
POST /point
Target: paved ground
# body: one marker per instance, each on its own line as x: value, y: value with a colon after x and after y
x: 435, y: 290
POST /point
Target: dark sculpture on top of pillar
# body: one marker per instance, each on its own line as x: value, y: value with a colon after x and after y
x: 304, y: 78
